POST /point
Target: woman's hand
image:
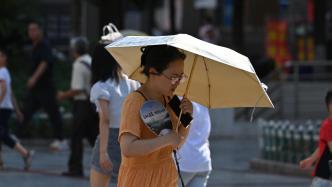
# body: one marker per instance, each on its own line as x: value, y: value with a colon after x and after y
x: 173, y: 139
x: 186, y: 106
x: 19, y: 116
x: 105, y: 162
x: 306, y: 163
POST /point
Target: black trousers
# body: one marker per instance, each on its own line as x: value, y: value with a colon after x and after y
x: 45, y: 99
x: 4, y: 133
x: 85, y: 125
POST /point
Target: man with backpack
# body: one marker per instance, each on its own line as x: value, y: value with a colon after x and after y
x: 85, y: 119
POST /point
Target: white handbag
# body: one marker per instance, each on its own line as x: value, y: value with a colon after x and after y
x: 110, y: 33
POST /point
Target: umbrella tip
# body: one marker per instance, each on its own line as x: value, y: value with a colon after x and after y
x: 264, y: 86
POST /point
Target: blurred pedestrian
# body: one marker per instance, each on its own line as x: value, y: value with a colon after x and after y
x: 323, y: 153
x: 208, y: 32
x: 195, y: 172
x: 7, y: 105
x: 85, y: 119
x: 147, y: 158
x: 110, y: 88
x: 41, y: 87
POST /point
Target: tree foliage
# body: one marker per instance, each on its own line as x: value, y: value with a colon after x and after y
x: 14, y: 15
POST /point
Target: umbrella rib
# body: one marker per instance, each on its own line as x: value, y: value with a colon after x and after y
x: 259, y: 99
x: 208, y: 78
x: 190, y: 76
x: 130, y: 76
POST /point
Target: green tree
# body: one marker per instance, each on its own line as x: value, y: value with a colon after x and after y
x: 14, y: 15
x: 13, y: 19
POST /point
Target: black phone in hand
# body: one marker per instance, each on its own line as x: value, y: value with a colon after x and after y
x: 186, y: 118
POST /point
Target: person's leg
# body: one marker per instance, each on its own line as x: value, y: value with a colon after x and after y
x: 98, y: 179
x: 319, y: 182
x: 1, y: 160
x: 186, y: 176
x: 26, y: 155
x: 9, y: 141
x: 114, y: 152
x: 51, y: 107
x: 4, y: 133
x: 76, y: 144
x: 199, y: 180
x: 31, y: 105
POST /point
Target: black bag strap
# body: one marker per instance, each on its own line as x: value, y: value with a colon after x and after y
x: 141, y: 94
x: 165, y: 103
x: 86, y: 64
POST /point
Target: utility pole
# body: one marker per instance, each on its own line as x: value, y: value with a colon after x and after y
x: 237, y: 29
x: 172, y: 16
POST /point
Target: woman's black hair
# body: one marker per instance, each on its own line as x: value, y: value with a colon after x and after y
x: 3, y: 52
x: 328, y: 98
x: 103, y: 65
x: 159, y: 57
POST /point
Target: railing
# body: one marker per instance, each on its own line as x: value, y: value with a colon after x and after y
x: 308, y: 71
x: 292, y: 85
x: 288, y: 141
x: 320, y: 70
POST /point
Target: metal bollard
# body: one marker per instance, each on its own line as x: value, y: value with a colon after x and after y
x: 300, y: 144
x: 283, y: 142
x: 308, y: 138
x: 269, y: 140
x: 290, y: 143
x: 274, y: 141
x: 261, y: 137
x: 297, y: 138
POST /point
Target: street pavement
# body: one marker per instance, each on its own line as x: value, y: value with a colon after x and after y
x: 231, y: 154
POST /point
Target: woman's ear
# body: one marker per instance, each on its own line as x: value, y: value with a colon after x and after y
x: 153, y: 71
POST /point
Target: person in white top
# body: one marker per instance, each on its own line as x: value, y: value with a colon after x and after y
x: 7, y: 104
x: 194, y: 155
x: 110, y: 89
x: 85, y: 119
x: 208, y: 32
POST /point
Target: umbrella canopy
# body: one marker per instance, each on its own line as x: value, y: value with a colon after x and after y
x: 129, y: 32
x: 219, y: 76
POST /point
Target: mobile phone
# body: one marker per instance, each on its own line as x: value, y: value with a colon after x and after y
x: 186, y: 118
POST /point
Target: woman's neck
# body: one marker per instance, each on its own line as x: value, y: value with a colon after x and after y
x: 150, y: 92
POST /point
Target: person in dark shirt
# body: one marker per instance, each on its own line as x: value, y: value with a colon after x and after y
x: 41, y: 86
x: 322, y: 154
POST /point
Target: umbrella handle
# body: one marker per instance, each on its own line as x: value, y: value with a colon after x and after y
x: 187, y: 89
x: 178, y: 123
x: 190, y: 75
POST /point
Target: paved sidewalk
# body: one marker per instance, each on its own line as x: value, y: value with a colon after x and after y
x: 231, y: 154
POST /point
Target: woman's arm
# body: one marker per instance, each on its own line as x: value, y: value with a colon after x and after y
x: 309, y: 161
x: 3, y: 89
x: 132, y: 146
x: 329, y: 144
x: 41, y: 68
x: 183, y: 133
x: 104, y: 120
x: 186, y: 107
x: 18, y: 112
